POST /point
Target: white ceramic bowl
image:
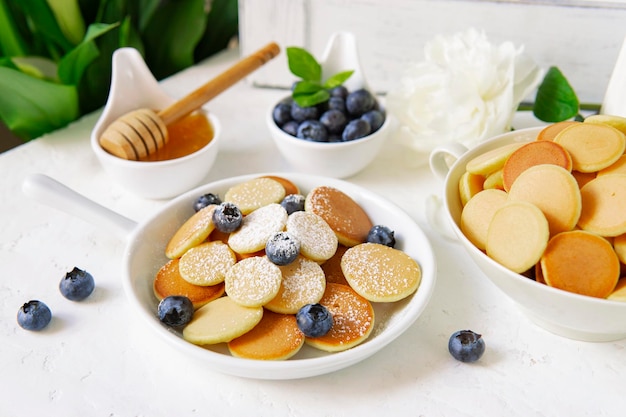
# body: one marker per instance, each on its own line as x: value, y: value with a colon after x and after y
x: 133, y: 86
x: 337, y: 159
x: 563, y: 313
x: 144, y: 256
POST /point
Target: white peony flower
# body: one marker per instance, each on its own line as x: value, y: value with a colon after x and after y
x: 466, y: 90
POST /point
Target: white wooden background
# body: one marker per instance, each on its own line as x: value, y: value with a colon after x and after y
x: 582, y: 38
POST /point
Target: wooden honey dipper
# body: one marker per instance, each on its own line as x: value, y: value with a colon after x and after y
x: 142, y: 132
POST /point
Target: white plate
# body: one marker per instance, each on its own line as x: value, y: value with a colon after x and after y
x: 144, y: 257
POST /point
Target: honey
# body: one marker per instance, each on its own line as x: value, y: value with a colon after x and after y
x: 186, y: 136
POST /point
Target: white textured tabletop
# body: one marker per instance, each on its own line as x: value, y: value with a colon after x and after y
x: 97, y: 359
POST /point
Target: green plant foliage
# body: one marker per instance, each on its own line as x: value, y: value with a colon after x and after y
x: 556, y: 100
x: 55, y: 55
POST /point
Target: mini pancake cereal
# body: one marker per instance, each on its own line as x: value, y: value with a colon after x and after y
x: 549, y: 132
x: 345, y: 217
x: 257, y: 227
x: 380, y: 273
x: 353, y: 319
x: 253, y: 282
x: 220, y: 321
x: 303, y: 283
x: 581, y: 262
x: 169, y: 282
x: 517, y: 236
x: 207, y: 263
x: 592, y: 146
x: 276, y: 337
x: 193, y: 232
x: 318, y: 241
x: 255, y: 193
x: 477, y: 214
x: 619, y: 293
x: 604, y: 205
x: 491, y: 161
x: 470, y: 185
x: 553, y: 190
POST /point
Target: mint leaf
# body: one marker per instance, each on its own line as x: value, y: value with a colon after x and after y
x: 338, y: 79
x: 303, y: 64
x: 311, y: 99
x: 306, y: 87
x: 555, y: 100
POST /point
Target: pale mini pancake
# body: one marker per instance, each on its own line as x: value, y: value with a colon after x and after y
x: 491, y: 161
x: 469, y: 186
x: 332, y: 267
x: 517, y: 236
x: 531, y: 154
x: 303, y: 283
x: 194, y: 231
x: 619, y: 293
x: 253, y: 281
x: 618, y: 122
x: 257, y: 227
x: 220, y: 321
x: 255, y: 193
x: 345, y: 216
x: 549, y: 132
x: 318, y: 241
x: 494, y: 181
x: 619, y: 245
x: 207, y: 263
x: 353, y: 319
x: 380, y: 273
x: 582, y: 263
x: 477, y: 214
x: 592, y: 146
x: 276, y: 337
x: 618, y: 167
x: 552, y: 189
x: 583, y: 178
x: 169, y: 282
x: 288, y: 185
x: 604, y: 205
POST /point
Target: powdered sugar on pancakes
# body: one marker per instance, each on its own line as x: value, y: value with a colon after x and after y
x: 257, y: 227
x: 318, y: 241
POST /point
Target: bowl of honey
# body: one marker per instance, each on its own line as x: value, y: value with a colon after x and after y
x: 182, y: 163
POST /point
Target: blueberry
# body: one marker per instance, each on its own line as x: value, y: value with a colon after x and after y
x: 282, y: 248
x: 375, y: 118
x: 77, y: 285
x: 205, y: 201
x: 293, y: 202
x: 334, y: 120
x: 337, y: 103
x: 291, y: 127
x: 466, y: 346
x: 312, y: 130
x: 34, y: 315
x: 334, y: 137
x: 340, y: 91
x: 227, y: 217
x: 314, y: 320
x: 359, y: 102
x: 300, y: 114
x: 381, y: 234
x: 282, y: 113
x: 356, y: 129
x: 175, y: 310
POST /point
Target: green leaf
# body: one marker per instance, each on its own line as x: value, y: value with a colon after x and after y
x: 302, y: 64
x: 311, y: 99
x: 31, y: 107
x: 45, y: 25
x: 73, y: 65
x: 221, y: 27
x: 172, y: 35
x: 304, y: 87
x: 556, y: 100
x: 11, y: 42
x: 338, y: 79
x: 69, y: 19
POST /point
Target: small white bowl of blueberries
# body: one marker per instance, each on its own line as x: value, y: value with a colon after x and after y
x: 331, y: 125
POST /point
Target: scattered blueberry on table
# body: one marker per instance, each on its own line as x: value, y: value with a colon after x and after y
x: 34, y: 315
x: 466, y: 346
x: 77, y: 285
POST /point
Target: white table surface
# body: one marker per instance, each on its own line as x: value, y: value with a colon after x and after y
x: 97, y: 359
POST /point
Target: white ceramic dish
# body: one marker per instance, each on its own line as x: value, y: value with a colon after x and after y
x: 144, y: 256
x: 132, y: 87
x: 341, y: 159
x: 563, y: 313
